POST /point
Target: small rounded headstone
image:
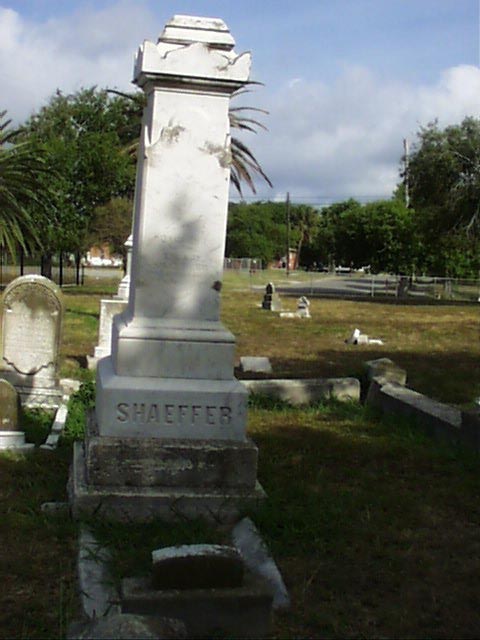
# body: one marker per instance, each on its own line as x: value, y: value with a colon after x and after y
x: 197, y: 566
x: 9, y: 404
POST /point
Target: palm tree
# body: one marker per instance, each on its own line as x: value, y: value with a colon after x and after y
x: 21, y: 188
x: 244, y: 165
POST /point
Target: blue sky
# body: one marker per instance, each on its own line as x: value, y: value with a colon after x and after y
x: 345, y: 80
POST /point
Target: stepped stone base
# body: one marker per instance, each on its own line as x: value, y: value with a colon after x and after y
x: 144, y: 503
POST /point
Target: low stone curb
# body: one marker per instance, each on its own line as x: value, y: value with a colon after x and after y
x: 97, y: 594
x: 306, y: 391
x: 436, y: 419
x: 257, y: 558
x: 58, y: 425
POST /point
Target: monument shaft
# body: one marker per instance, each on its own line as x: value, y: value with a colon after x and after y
x: 168, y: 438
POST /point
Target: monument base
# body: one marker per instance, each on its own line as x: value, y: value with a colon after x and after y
x: 14, y: 440
x: 140, y: 503
x: 35, y: 394
x: 149, y: 407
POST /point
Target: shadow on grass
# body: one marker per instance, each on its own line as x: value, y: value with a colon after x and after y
x: 375, y: 527
x: 82, y: 360
x: 425, y: 371
x: 77, y: 312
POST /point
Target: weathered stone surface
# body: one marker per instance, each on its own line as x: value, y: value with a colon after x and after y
x: 148, y: 503
x: 9, y: 406
x: 98, y: 596
x: 14, y: 440
x: 257, y: 558
x: 385, y: 370
x: 237, y: 612
x: 197, y: 566
x: 306, y: 391
x: 125, y: 626
x: 31, y: 331
x: 170, y: 373
x: 257, y: 364
x: 435, y: 418
x: 129, y: 406
x: 151, y: 462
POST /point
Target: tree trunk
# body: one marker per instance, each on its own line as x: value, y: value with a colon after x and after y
x: 78, y: 259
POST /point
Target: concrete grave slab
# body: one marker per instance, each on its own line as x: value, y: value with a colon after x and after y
x: 257, y: 558
x: 435, y: 418
x: 385, y: 370
x: 256, y: 364
x: 306, y: 391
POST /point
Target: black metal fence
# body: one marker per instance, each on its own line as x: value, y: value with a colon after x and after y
x: 60, y: 268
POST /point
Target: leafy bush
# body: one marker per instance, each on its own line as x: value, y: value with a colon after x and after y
x: 78, y: 406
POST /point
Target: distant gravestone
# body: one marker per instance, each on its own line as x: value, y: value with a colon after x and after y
x: 32, y: 318
x: 271, y: 300
x: 303, y: 307
x: 11, y: 435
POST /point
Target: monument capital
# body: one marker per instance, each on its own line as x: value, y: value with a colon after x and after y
x: 192, y: 50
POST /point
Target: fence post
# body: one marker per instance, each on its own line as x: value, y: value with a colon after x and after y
x: 60, y: 269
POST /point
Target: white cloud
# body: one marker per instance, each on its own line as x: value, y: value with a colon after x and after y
x: 339, y: 139
x: 79, y: 50
x: 345, y: 139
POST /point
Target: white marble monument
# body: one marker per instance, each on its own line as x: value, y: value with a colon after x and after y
x: 170, y: 417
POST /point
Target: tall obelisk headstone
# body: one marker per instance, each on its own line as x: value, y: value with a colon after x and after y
x: 169, y: 432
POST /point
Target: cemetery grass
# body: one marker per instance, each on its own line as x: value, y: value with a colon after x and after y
x: 374, y: 527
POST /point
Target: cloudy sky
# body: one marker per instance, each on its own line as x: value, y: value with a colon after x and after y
x: 345, y: 80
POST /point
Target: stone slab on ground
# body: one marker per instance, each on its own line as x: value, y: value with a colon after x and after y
x: 257, y: 558
x: 435, y: 418
x: 57, y: 428
x: 124, y: 626
x: 237, y: 612
x: 308, y: 391
x: 257, y: 364
x: 147, y: 503
x: 385, y: 370
x: 97, y: 594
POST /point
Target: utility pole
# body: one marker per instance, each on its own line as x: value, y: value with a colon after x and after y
x: 287, y: 212
x: 405, y: 168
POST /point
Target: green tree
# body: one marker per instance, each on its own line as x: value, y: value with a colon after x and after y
x: 83, y: 137
x: 111, y: 224
x: 256, y: 230
x: 444, y: 182
x: 381, y: 234
x: 444, y: 176
x: 23, y: 187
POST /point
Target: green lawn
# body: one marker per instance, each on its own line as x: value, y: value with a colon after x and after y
x: 374, y: 527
